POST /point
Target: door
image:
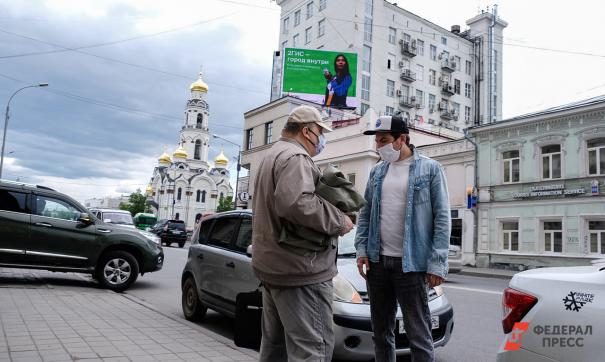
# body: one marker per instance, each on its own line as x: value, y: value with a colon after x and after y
x: 196, y: 253
x: 15, y: 218
x: 239, y: 276
x: 57, y: 238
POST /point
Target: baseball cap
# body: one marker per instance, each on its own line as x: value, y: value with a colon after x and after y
x: 308, y: 114
x: 389, y: 124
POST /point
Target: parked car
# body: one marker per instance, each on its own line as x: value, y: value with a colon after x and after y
x: 218, y: 272
x: 454, y: 259
x: 171, y: 231
x: 554, y: 314
x: 114, y: 216
x: 41, y: 228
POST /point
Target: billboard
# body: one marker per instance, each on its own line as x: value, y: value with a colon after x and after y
x: 320, y: 76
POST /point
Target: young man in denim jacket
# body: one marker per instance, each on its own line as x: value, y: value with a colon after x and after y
x: 402, y: 239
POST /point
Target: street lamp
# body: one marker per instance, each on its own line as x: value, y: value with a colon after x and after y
x: 239, y: 153
x: 6, y: 117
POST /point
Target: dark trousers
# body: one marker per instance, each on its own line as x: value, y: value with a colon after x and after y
x: 387, y: 285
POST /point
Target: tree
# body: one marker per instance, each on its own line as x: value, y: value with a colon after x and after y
x: 136, y: 203
x: 225, y: 204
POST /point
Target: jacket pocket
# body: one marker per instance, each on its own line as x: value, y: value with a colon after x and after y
x: 422, y: 192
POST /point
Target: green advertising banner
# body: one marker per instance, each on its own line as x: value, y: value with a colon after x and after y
x: 320, y: 76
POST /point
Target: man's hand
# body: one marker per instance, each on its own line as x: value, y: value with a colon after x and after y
x: 361, y: 262
x: 433, y: 280
x: 348, y: 225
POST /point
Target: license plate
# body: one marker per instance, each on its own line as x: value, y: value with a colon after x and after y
x: 401, y: 328
x: 176, y: 231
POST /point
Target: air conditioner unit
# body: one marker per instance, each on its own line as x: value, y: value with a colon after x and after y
x: 412, y: 99
x: 453, y: 64
x: 399, y: 93
x: 401, y: 64
x: 400, y: 41
x: 418, y: 105
x: 413, y: 43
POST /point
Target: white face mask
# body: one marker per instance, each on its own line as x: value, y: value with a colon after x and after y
x: 388, y: 153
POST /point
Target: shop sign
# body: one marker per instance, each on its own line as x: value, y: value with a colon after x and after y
x: 549, y: 190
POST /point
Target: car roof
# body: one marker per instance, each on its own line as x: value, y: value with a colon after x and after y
x: 23, y: 185
x: 109, y: 210
x: 228, y: 213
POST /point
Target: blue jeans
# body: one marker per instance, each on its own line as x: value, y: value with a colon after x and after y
x: 387, y: 285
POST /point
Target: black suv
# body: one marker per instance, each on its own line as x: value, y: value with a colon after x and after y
x: 41, y: 228
x: 171, y: 231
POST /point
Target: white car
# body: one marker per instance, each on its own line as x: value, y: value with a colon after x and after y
x: 555, y: 314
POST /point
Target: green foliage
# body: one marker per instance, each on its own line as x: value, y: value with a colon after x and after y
x: 136, y: 203
x: 225, y: 204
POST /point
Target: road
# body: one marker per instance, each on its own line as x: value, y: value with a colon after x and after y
x: 477, y: 308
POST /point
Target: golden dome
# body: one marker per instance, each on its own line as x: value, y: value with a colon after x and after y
x: 199, y: 85
x: 164, y: 159
x: 221, y: 160
x: 149, y: 190
x: 180, y: 153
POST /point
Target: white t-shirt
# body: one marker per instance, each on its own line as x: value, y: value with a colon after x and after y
x: 392, y: 207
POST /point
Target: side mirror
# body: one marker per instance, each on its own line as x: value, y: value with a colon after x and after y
x: 84, y: 218
x: 249, y: 250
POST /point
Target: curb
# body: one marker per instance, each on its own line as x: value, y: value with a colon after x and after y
x: 192, y: 325
x: 484, y: 275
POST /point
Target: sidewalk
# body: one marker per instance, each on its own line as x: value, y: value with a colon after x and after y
x: 65, y: 322
x: 488, y: 272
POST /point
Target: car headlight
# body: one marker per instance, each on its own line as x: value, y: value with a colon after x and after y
x: 436, y: 292
x: 154, y: 238
x: 344, y: 291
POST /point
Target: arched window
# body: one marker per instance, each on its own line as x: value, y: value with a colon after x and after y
x: 197, y: 150
x: 176, y: 217
x: 198, y: 196
x: 204, y: 196
x: 178, y: 194
x: 200, y: 120
x: 222, y: 195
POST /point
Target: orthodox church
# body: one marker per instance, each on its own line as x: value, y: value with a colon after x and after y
x: 186, y: 186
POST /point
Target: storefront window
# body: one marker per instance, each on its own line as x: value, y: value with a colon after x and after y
x: 596, y: 231
x: 553, y: 236
x: 510, y: 235
x: 551, y: 162
x: 596, y: 156
x: 511, y: 166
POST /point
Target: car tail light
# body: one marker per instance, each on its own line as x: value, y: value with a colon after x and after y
x: 515, y: 305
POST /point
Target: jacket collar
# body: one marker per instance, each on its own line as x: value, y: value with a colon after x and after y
x: 294, y: 142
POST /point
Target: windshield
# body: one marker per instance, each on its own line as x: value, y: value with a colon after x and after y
x: 346, y: 244
x: 175, y: 225
x: 117, y: 218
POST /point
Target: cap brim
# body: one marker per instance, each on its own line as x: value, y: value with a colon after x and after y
x: 370, y: 132
x: 325, y: 126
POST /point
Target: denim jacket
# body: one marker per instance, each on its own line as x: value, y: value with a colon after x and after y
x: 427, y: 218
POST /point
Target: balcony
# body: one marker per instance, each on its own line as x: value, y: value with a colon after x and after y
x: 448, y: 114
x: 407, y: 102
x: 407, y: 75
x: 447, y: 89
x: 408, y: 48
x: 448, y: 65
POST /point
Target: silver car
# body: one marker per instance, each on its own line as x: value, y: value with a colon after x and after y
x: 218, y: 272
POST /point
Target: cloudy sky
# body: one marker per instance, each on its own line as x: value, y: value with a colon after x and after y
x: 112, y: 109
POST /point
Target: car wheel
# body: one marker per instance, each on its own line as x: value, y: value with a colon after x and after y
x: 117, y: 270
x: 192, y: 307
x: 181, y: 245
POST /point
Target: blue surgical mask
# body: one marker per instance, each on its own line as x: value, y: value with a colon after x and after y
x: 321, y: 145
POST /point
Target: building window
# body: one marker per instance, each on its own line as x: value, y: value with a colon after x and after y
x: 433, y: 50
x: 458, y: 61
x: 551, y: 162
x: 420, y: 46
x: 443, y: 40
x: 197, y: 150
x: 177, y: 216
x: 308, y: 35
x: 390, y: 88
x: 467, y: 114
x: 367, y: 58
x: 553, y: 236
x: 295, y: 40
x: 457, y: 86
x: 286, y: 25
x: 179, y: 193
x: 510, y: 167
x: 432, y: 101
x: 321, y: 28
x: 456, y: 109
x: 199, y: 121
x: 322, y: 4
x: 249, y: 139
x: 198, y: 196
x: 407, y: 37
x: 419, y: 72
x: 390, y: 61
x: 268, y: 132
x: 203, y: 196
x: 596, y: 234
x: 364, y: 108
x: 419, y: 97
x: 432, y: 76
x: 389, y: 111
x: 467, y: 90
x: 367, y: 29
x: 510, y: 235
x: 365, y: 87
x: 468, y: 67
x: 392, y: 35
x: 309, y: 10
x: 596, y: 156
x: 296, y: 17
